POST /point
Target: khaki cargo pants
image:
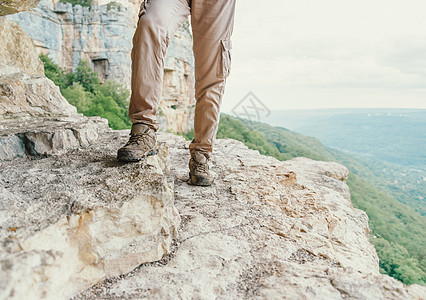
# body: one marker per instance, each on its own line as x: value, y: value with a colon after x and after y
x: 212, y: 24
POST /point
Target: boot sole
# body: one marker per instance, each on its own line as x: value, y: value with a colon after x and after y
x: 134, y: 156
x: 200, y: 181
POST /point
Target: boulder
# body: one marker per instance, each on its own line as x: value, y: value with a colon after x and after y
x: 69, y: 221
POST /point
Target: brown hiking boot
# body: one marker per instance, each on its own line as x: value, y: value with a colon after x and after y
x: 142, y: 143
x: 199, y: 170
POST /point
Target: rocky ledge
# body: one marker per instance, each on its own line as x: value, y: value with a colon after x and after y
x: 265, y: 229
x: 69, y: 221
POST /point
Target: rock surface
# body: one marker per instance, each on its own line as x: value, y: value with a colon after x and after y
x: 266, y: 229
x: 102, y: 34
x: 70, y: 221
x: 13, y: 6
x: 17, y: 50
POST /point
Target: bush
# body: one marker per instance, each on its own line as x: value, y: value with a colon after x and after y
x: 112, y: 5
x: 79, y: 97
x: 83, y: 90
x: 85, y: 76
x: 52, y: 71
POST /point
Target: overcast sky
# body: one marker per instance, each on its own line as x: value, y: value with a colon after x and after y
x: 329, y: 53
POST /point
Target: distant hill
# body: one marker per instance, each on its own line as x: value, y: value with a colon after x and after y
x: 396, y: 136
x: 397, y: 231
x: 389, y: 143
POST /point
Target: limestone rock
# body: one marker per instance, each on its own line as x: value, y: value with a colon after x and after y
x: 23, y: 96
x: 69, y: 221
x: 36, y: 121
x: 17, y: 50
x: 13, y: 6
x: 36, y: 138
x: 266, y: 230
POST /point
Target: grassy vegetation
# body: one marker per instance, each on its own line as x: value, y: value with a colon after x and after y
x: 82, y: 89
x: 397, y: 231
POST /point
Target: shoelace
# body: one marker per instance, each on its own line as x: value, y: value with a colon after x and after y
x: 137, y: 138
x: 201, y: 167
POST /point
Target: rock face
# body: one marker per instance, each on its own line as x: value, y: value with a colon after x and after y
x: 71, y: 216
x: 265, y: 229
x: 16, y: 49
x: 102, y: 34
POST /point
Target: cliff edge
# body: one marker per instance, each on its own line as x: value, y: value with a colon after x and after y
x: 265, y: 229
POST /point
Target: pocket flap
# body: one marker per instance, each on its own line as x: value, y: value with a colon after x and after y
x: 227, y: 44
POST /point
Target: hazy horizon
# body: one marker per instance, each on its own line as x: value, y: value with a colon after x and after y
x: 329, y: 54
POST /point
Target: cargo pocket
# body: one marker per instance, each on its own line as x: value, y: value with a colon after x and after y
x: 224, y: 67
x: 144, y: 7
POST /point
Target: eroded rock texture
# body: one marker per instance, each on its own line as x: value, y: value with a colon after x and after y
x: 67, y: 222
x: 266, y: 229
x: 35, y: 120
x: 17, y: 50
x: 13, y: 6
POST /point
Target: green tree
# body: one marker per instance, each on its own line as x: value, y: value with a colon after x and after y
x: 110, y: 102
x: 52, y: 71
x: 79, y: 97
x: 84, y: 75
x: 83, y: 90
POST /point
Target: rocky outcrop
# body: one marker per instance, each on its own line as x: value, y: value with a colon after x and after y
x: 265, y: 229
x: 13, y: 6
x: 58, y: 243
x: 102, y: 34
x: 35, y: 120
x: 75, y: 219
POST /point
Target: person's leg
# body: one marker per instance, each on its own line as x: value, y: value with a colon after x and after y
x: 212, y: 25
x: 158, y: 21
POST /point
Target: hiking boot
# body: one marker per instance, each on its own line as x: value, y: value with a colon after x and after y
x: 142, y: 143
x: 199, y: 170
